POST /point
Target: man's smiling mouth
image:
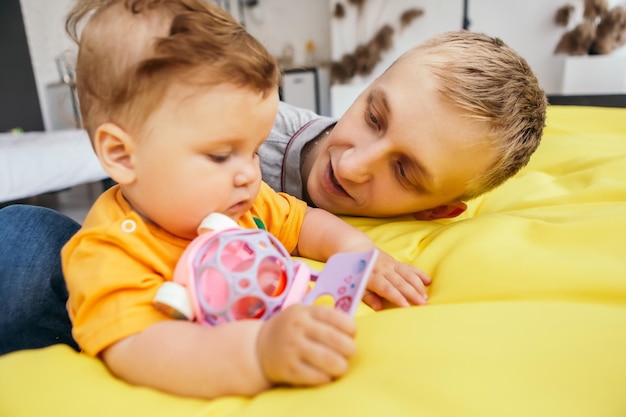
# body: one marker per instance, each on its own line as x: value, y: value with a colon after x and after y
x: 334, y: 183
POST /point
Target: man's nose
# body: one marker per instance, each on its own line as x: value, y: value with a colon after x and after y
x: 361, y: 163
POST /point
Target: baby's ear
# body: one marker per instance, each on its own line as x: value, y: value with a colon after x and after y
x: 445, y: 211
x: 114, y: 148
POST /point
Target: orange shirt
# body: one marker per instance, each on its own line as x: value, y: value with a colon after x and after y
x: 116, y: 263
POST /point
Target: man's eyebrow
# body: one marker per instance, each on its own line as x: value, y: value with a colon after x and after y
x: 379, y: 95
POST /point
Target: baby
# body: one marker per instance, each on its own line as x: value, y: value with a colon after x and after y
x: 177, y: 98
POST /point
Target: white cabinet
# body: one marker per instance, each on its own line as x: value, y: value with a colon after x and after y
x: 594, y: 74
x: 307, y: 88
x: 62, y: 106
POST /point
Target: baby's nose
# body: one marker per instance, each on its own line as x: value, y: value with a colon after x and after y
x: 247, y: 174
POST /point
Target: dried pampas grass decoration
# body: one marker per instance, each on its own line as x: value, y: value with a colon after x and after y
x: 578, y: 40
x: 367, y: 55
x: 610, y: 32
x: 563, y: 15
x: 595, y: 9
x: 383, y: 40
x: 409, y: 16
x: 602, y: 30
x: 340, y: 11
x: 364, y: 58
x: 358, y: 3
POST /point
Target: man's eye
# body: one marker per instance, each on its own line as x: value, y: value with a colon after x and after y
x: 401, y: 170
x: 406, y: 178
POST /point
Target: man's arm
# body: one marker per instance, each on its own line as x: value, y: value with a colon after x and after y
x: 324, y: 234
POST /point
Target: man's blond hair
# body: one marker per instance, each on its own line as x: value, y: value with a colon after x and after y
x: 488, y: 81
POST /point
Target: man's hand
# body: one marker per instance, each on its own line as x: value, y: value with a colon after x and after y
x: 395, y: 283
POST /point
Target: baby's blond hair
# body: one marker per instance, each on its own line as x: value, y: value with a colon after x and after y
x: 132, y: 51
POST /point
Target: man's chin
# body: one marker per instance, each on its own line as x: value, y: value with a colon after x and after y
x: 335, y: 209
x: 321, y: 200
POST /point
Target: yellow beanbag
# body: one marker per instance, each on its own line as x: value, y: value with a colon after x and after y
x: 526, y: 316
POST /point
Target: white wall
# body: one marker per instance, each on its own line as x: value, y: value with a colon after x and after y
x: 278, y: 23
x: 275, y: 22
x: 525, y: 25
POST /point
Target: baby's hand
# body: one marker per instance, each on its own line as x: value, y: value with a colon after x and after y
x: 396, y: 282
x: 306, y: 345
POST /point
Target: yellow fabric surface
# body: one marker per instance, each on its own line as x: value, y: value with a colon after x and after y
x: 526, y: 317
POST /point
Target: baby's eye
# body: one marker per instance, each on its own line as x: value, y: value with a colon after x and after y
x: 219, y: 158
x: 373, y: 119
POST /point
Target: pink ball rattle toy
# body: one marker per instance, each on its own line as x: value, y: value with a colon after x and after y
x: 228, y: 273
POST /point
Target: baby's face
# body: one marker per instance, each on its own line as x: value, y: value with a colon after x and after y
x: 400, y: 148
x: 197, y: 154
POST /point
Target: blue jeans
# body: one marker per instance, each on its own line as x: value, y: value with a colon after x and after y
x: 32, y: 288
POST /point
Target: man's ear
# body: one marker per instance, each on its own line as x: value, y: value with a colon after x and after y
x: 114, y: 147
x: 445, y: 211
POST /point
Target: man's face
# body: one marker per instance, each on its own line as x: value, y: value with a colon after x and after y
x: 399, y: 149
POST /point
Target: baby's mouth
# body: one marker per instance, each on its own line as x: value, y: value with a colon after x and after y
x: 236, y: 209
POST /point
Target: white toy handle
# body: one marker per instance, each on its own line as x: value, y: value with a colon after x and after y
x: 173, y: 300
x: 216, y: 222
